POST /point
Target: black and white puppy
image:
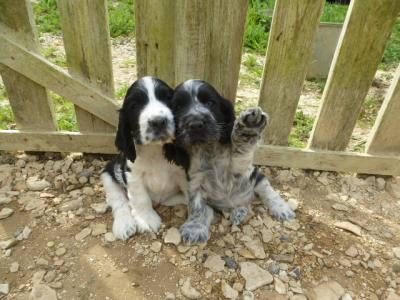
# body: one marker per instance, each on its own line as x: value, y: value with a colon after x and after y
x: 140, y: 176
x: 221, y: 149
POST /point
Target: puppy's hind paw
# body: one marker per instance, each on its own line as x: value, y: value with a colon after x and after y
x: 124, y: 225
x: 194, y: 233
x: 147, y: 221
x: 281, y: 210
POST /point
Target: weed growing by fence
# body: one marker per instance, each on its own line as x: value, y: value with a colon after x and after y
x: 302, y: 127
x: 6, y: 115
x: 65, y: 113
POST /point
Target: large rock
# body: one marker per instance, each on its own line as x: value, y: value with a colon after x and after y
x: 254, y: 275
x: 42, y: 292
x: 330, y: 290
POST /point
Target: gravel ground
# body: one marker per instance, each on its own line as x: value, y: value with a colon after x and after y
x: 55, y: 240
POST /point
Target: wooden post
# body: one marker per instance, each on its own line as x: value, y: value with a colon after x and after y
x: 361, y: 45
x: 290, y: 45
x: 385, y: 137
x: 29, y: 101
x: 87, y: 45
x: 155, y: 24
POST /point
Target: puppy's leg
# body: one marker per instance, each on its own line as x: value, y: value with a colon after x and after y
x: 245, y: 136
x: 196, y: 229
x: 238, y: 215
x: 146, y: 218
x: 276, y: 205
x: 124, y: 225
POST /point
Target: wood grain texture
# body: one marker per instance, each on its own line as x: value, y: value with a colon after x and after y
x: 29, y: 101
x: 45, y: 73
x: 155, y: 25
x: 385, y: 137
x: 361, y: 45
x: 290, y: 45
x: 57, y: 141
x: 337, y: 161
x: 87, y: 45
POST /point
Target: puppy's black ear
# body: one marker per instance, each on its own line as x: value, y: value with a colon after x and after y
x: 177, y: 155
x: 228, y: 112
x: 124, y: 139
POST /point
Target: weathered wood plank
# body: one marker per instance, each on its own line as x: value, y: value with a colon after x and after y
x: 57, y: 141
x: 38, y: 69
x: 290, y: 45
x: 359, y: 51
x: 192, y: 39
x: 338, y: 161
x: 155, y: 24
x: 29, y: 101
x: 227, y: 32
x: 88, y: 49
x: 385, y: 137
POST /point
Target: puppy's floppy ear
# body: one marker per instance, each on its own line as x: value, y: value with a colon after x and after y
x: 228, y: 112
x: 177, y: 155
x: 124, y: 139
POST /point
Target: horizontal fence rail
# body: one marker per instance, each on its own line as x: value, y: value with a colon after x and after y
x: 177, y: 40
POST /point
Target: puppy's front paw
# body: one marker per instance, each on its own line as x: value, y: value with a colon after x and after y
x: 194, y: 233
x: 254, y: 118
x: 281, y: 210
x: 238, y: 215
x: 124, y: 225
x: 146, y: 221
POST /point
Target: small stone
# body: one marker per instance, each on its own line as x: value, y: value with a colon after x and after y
x: 109, y: 237
x: 50, y: 244
x: 396, y: 268
x: 42, y: 292
x: 71, y: 205
x: 256, y: 248
x: 169, y: 296
x: 279, y: 286
x: 83, y: 234
x: 254, y: 275
x: 228, y: 291
x: 124, y: 270
x: 274, y: 268
x: 215, y: 263
x: 349, y: 227
x: 99, y: 229
x: 38, y: 276
x: 8, y: 244
x: 50, y: 276
x: 172, y: 236
x: 293, y: 204
x: 26, y: 232
x: 352, y: 251
x: 56, y: 285
x: 346, y: 297
x: 296, y: 273
x: 230, y: 262
x: 340, y: 207
x: 83, y: 180
x: 393, y: 296
x: 396, y: 252
x: 287, y: 258
x: 380, y: 184
x: 4, y: 288
x: 14, y: 267
x: 61, y: 251
x: 238, y: 286
x: 99, y: 208
x: 188, y: 291
x: 267, y: 235
x: 292, y: 225
x: 248, y: 295
x: 308, y: 247
x: 330, y: 290
x: 42, y: 262
x: 87, y: 190
x: 34, y: 184
x: 6, y: 212
x: 156, y: 246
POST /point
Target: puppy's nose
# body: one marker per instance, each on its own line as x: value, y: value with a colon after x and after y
x: 196, y: 125
x: 158, y: 123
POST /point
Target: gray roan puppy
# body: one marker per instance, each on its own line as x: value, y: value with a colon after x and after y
x: 219, y: 166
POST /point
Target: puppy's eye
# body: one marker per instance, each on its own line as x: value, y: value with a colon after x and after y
x: 209, y: 103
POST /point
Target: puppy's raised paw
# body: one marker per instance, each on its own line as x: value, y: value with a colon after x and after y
x: 254, y: 118
x: 194, y: 233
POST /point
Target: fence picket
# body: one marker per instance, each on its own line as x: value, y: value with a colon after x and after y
x: 87, y: 45
x: 384, y: 136
x: 29, y: 101
x: 294, y: 26
x: 361, y: 45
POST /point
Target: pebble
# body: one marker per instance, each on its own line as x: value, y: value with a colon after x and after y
x: 340, y: 207
x: 14, y: 267
x: 292, y: 225
x: 230, y: 262
x: 169, y: 296
x: 396, y: 252
x: 279, y: 286
x: 256, y: 248
x: 214, y: 263
x: 287, y: 258
x: 88, y: 191
x: 99, y: 208
x: 4, y: 288
x: 71, y: 205
x: 248, y: 295
x: 42, y: 292
x: 330, y: 290
x: 156, y: 246
x: 254, y: 275
x: 228, y: 291
x: 83, y: 234
x: 188, y: 291
x: 349, y: 227
x: 33, y: 184
x: 50, y: 276
x: 172, y: 236
x: 98, y: 229
x: 61, y: 251
x: 8, y: 244
x: 50, y: 244
x: 6, y: 212
x: 42, y: 262
x: 352, y: 251
x: 393, y: 296
x: 346, y: 297
x: 266, y: 234
x: 24, y: 234
x: 109, y: 237
x: 293, y: 204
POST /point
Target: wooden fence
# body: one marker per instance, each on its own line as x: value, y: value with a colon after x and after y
x: 181, y: 39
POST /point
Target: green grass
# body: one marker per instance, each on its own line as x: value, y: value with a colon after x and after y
x: 6, y: 115
x: 65, y: 113
x: 47, y: 16
x: 334, y: 13
x: 302, y: 127
x: 121, y: 92
x: 51, y: 54
x: 391, y: 57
